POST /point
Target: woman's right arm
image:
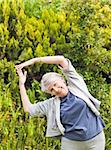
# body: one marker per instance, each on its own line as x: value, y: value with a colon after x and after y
x: 39, y: 109
x: 25, y: 100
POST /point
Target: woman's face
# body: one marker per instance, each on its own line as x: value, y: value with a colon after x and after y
x: 58, y: 88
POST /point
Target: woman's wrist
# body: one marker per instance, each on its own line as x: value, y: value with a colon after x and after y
x: 31, y: 61
x: 21, y: 83
x: 37, y: 59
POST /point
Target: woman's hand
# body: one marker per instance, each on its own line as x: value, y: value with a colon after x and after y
x: 20, y: 66
x: 22, y: 75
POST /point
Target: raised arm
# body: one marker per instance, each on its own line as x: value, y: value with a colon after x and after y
x: 61, y: 60
x: 25, y: 100
x: 39, y: 109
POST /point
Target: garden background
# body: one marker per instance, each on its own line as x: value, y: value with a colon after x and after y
x: 78, y: 29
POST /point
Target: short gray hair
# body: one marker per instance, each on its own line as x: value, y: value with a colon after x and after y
x: 49, y: 78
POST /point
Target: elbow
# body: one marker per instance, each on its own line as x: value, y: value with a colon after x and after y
x: 63, y: 62
x: 60, y: 58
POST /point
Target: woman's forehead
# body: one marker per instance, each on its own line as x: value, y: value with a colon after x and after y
x: 52, y: 83
x: 55, y: 82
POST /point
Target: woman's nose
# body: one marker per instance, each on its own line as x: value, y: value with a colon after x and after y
x: 55, y: 89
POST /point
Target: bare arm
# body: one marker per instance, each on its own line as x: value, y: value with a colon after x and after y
x: 38, y: 109
x: 61, y: 60
x: 25, y: 100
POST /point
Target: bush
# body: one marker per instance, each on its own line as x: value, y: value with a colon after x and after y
x: 79, y: 30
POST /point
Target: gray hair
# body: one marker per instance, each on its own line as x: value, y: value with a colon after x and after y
x: 49, y: 78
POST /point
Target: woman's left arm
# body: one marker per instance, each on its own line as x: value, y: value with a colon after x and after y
x: 61, y: 60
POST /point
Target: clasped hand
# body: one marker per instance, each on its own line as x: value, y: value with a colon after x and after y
x: 22, y: 75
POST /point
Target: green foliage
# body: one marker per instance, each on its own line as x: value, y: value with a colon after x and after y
x: 79, y: 30
x: 35, y: 7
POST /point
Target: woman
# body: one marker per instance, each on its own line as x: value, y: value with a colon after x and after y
x: 72, y: 112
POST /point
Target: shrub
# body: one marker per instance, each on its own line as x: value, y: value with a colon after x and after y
x: 79, y: 30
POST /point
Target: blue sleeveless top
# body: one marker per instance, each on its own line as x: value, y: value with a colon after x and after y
x: 79, y: 121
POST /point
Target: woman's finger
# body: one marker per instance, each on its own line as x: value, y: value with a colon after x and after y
x: 19, y: 71
x: 18, y: 67
x: 25, y: 73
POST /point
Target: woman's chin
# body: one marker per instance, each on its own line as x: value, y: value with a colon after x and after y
x: 63, y: 94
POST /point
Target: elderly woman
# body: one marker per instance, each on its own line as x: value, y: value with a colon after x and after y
x: 72, y: 112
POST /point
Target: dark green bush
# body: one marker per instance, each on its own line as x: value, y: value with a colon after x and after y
x: 79, y: 30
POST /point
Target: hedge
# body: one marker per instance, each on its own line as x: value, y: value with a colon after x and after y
x: 79, y: 30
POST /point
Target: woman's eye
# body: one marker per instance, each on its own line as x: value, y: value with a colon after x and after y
x: 54, y: 84
x: 51, y: 90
